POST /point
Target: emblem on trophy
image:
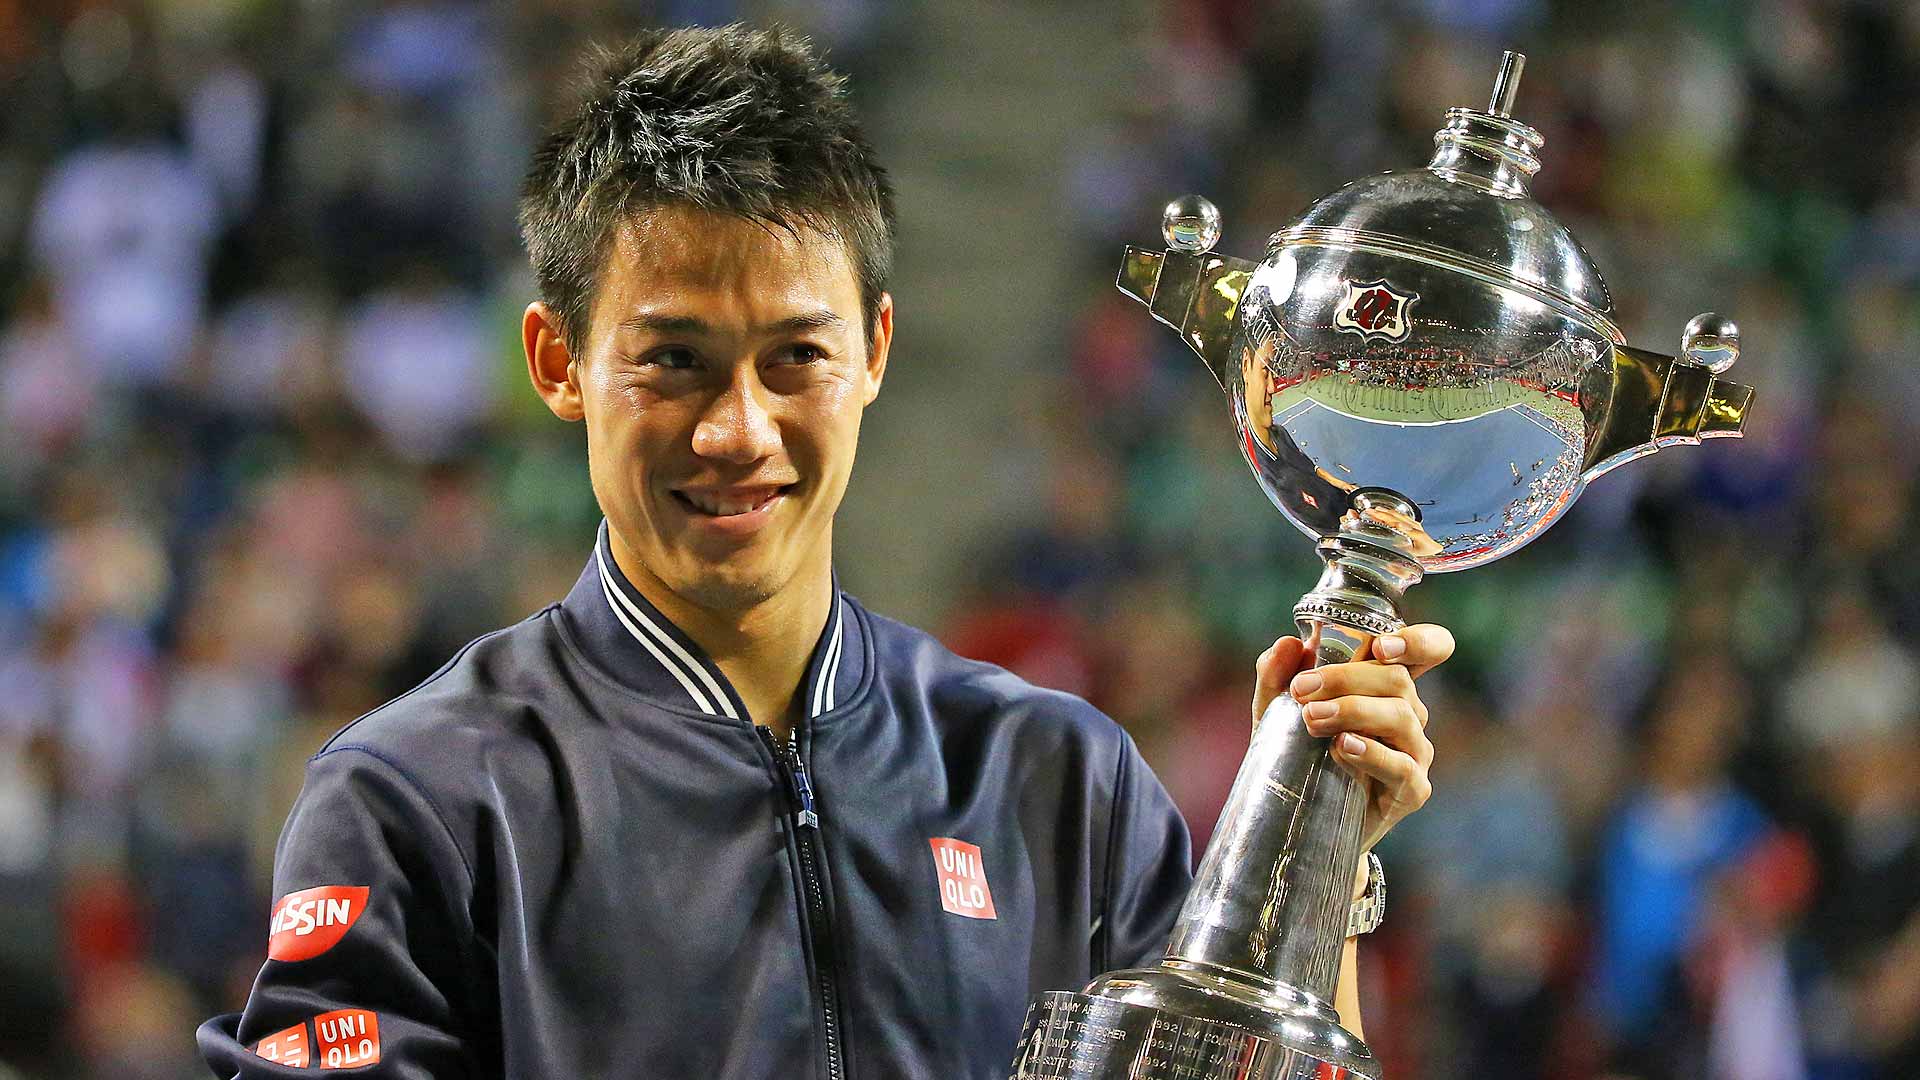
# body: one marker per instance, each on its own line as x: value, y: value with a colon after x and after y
x: 1375, y: 309
x: 1425, y: 373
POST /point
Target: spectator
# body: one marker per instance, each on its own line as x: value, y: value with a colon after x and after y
x: 1684, y: 824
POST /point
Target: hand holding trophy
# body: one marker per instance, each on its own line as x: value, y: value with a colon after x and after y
x: 1424, y: 373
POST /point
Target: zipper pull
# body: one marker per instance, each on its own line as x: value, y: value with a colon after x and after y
x: 807, y: 817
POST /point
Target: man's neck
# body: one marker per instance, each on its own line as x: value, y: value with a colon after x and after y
x: 763, y: 650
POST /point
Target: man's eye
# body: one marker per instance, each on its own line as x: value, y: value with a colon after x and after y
x: 671, y: 359
x: 803, y: 354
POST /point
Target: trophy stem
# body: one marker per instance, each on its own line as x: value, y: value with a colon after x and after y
x: 1246, y: 987
x: 1270, y: 901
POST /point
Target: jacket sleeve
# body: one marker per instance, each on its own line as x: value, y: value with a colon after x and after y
x: 1149, y: 868
x: 369, y: 939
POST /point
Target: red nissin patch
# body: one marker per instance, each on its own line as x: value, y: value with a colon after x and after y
x: 311, y: 921
x: 346, y: 1039
x: 963, y: 878
x: 287, y: 1047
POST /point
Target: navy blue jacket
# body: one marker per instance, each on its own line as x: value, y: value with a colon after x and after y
x: 570, y: 853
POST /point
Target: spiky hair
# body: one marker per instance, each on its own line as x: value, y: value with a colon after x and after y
x: 741, y: 121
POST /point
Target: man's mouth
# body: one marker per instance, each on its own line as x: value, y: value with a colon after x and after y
x: 729, y: 502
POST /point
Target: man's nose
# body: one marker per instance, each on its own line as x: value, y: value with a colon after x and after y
x: 737, y: 426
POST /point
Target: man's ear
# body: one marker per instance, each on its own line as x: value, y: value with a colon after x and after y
x: 877, y: 351
x: 549, y: 364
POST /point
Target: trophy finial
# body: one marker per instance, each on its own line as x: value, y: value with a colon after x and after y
x: 1191, y: 224
x: 1506, y: 84
x: 1490, y: 150
x: 1711, y: 341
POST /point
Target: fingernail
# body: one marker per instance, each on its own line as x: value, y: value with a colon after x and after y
x: 1321, y: 710
x: 1351, y: 744
x: 1389, y: 647
x: 1305, y: 683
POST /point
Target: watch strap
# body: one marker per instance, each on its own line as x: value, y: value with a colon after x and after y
x: 1367, y: 912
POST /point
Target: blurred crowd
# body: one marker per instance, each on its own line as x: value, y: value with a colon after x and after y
x: 267, y: 459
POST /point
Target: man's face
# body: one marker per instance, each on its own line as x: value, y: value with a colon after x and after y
x: 1257, y: 382
x: 722, y: 381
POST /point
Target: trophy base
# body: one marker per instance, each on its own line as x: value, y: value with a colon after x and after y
x: 1180, y: 1021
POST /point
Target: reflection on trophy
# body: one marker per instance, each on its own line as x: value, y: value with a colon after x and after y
x: 1424, y: 372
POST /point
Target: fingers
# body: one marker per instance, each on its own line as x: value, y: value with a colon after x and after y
x: 1388, y: 720
x: 1399, y: 775
x: 1364, y: 679
x: 1274, y: 670
x: 1399, y: 658
x: 1279, y: 664
x: 1418, y: 647
x: 1402, y: 782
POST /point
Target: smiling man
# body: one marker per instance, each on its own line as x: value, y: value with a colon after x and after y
x: 708, y: 816
x: 722, y: 371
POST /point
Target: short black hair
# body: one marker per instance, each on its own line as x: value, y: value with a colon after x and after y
x: 737, y: 120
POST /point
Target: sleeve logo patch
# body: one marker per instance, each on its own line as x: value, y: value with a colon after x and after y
x: 963, y: 878
x: 311, y: 921
x: 287, y: 1047
x: 346, y: 1039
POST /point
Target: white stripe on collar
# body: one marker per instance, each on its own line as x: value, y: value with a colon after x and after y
x: 653, y: 638
x: 823, y: 690
x: 839, y: 651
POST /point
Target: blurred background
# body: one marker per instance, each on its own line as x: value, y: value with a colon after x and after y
x: 268, y: 456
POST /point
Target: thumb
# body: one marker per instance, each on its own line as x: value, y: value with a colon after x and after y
x: 1274, y: 670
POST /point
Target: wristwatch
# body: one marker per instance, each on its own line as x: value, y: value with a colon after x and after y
x: 1365, y: 914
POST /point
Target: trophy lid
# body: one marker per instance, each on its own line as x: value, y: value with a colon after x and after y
x: 1469, y: 210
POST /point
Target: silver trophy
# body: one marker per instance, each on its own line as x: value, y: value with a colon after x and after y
x: 1424, y: 372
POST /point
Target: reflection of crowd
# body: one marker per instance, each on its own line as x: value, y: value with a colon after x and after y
x: 265, y: 461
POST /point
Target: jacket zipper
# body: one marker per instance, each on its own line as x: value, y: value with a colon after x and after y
x: 806, y: 835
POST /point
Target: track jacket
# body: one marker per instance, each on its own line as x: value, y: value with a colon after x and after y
x: 569, y: 853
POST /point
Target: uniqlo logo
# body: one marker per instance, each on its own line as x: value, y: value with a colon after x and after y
x: 346, y: 1039
x: 311, y: 921
x: 287, y: 1047
x: 963, y: 878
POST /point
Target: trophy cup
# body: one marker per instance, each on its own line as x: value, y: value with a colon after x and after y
x: 1424, y: 373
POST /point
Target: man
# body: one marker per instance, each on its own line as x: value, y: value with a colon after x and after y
x: 708, y: 816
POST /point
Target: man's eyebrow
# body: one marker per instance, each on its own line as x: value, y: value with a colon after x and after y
x: 693, y: 325
x: 811, y: 320
x: 665, y: 324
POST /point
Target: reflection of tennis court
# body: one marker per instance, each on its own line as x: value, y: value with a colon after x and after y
x: 1466, y: 502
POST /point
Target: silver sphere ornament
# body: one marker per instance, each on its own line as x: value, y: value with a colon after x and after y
x: 1191, y: 223
x: 1711, y: 341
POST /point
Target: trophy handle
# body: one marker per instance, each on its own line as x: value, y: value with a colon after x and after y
x: 1644, y: 401
x: 1196, y: 294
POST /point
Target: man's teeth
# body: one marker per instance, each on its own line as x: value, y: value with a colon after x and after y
x: 722, y: 507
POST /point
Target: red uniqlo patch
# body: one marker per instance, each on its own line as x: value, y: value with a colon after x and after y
x: 963, y: 878
x: 311, y: 921
x: 346, y: 1039
x: 287, y: 1047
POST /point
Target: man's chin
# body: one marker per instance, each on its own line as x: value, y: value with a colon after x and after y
x: 725, y: 587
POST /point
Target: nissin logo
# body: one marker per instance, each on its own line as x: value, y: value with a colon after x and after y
x: 311, y: 921
x: 963, y: 878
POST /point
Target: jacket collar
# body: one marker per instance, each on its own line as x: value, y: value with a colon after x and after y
x: 627, y: 636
